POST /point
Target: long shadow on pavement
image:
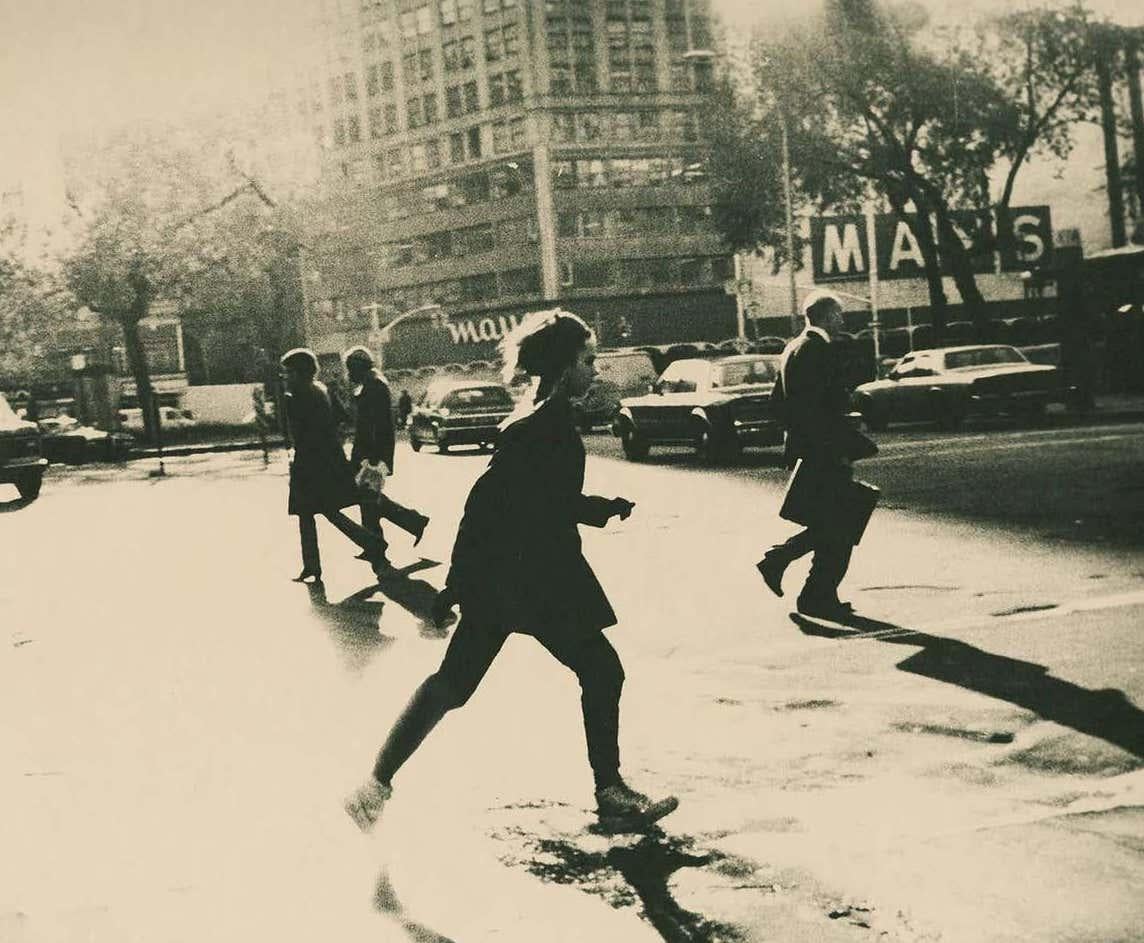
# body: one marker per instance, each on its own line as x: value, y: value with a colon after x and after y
x: 1106, y: 713
x: 17, y: 504
x: 413, y: 595
x: 353, y: 623
x: 386, y: 902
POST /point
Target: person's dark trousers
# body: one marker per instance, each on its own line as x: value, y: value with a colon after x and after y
x: 470, y: 653
x: 831, y: 550
x: 383, y: 507
x: 308, y: 532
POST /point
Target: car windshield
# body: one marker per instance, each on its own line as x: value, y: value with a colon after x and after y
x: 741, y: 373
x: 8, y: 418
x: 982, y: 357
x: 478, y: 397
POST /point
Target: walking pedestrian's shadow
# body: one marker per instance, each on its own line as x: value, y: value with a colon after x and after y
x: 353, y: 623
x: 413, y: 595
x: 1106, y: 713
x: 627, y: 874
x: 386, y: 902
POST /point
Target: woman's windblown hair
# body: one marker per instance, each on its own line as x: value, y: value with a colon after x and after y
x: 543, y: 345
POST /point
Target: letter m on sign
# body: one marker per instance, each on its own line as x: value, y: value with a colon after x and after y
x: 838, y: 248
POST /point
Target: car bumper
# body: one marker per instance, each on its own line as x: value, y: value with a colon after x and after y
x: 18, y: 467
x: 758, y: 431
x: 994, y: 403
x: 464, y: 435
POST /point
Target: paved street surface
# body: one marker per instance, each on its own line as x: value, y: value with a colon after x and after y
x: 181, y: 722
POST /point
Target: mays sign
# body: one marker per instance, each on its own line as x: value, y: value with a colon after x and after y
x: 840, y: 250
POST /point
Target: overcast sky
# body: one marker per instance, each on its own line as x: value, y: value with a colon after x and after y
x: 70, y: 65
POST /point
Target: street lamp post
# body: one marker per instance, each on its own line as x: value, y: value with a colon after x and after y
x: 379, y: 334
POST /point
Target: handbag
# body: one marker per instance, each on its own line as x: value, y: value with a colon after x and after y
x: 370, y: 479
x: 820, y: 497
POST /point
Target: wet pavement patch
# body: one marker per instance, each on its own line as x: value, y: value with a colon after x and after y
x: 1019, y: 610
x: 814, y: 704
x: 632, y: 871
x: 924, y: 586
x: 1069, y: 756
x: 941, y: 730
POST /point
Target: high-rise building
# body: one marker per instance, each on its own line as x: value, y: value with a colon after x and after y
x: 499, y: 156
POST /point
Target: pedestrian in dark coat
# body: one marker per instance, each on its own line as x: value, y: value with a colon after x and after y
x: 517, y: 566
x: 321, y: 478
x: 373, y: 448
x: 814, y: 401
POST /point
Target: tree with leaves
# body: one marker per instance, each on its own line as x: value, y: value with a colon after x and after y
x: 879, y: 106
x: 160, y: 219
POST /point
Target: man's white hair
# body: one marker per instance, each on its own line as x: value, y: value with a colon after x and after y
x: 817, y: 300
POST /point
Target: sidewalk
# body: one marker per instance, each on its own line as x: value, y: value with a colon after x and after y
x: 1119, y: 407
x: 187, y: 721
x: 923, y: 779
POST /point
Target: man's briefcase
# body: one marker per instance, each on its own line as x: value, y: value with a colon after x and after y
x: 830, y: 499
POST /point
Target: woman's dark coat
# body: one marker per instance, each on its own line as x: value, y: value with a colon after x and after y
x: 517, y: 562
x: 321, y: 478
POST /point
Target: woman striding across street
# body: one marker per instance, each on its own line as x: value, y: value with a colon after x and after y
x: 321, y: 478
x: 517, y: 566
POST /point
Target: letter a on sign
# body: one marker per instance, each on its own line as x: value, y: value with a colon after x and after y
x: 905, y: 248
x: 840, y: 252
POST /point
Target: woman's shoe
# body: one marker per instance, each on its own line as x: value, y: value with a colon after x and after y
x: 308, y: 574
x: 419, y: 531
x: 364, y: 805
x: 621, y: 809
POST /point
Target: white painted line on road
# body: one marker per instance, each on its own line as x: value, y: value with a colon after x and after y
x: 995, y: 436
x: 1126, y: 791
x: 998, y: 446
x: 1084, y: 604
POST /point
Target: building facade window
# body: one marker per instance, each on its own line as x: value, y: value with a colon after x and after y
x: 471, y: 97
x: 521, y: 281
x: 453, y: 101
x: 473, y: 142
x: 457, y: 148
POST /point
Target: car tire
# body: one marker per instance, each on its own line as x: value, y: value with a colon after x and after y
x: 634, y: 445
x: 946, y: 415
x: 29, y: 485
x: 711, y: 448
x: 873, y: 416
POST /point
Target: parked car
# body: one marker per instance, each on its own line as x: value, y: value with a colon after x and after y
x: 21, y: 461
x: 455, y: 412
x: 948, y: 384
x: 76, y: 444
x: 715, y: 405
x: 621, y: 373
x: 170, y: 417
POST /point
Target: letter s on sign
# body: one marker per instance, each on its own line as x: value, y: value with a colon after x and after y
x: 1028, y: 238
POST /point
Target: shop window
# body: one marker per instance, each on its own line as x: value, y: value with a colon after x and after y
x: 521, y: 281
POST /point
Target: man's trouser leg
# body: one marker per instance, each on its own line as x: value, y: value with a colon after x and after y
x: 409, y: 520
x: 308, y: 534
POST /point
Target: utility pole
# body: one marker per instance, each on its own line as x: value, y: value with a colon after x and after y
x: 1136, y: 104
x: 1113, y: 182
x: 788, y: 199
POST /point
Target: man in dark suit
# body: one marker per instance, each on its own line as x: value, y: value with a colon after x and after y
x: 814, y: 402
x: 372, y: 454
